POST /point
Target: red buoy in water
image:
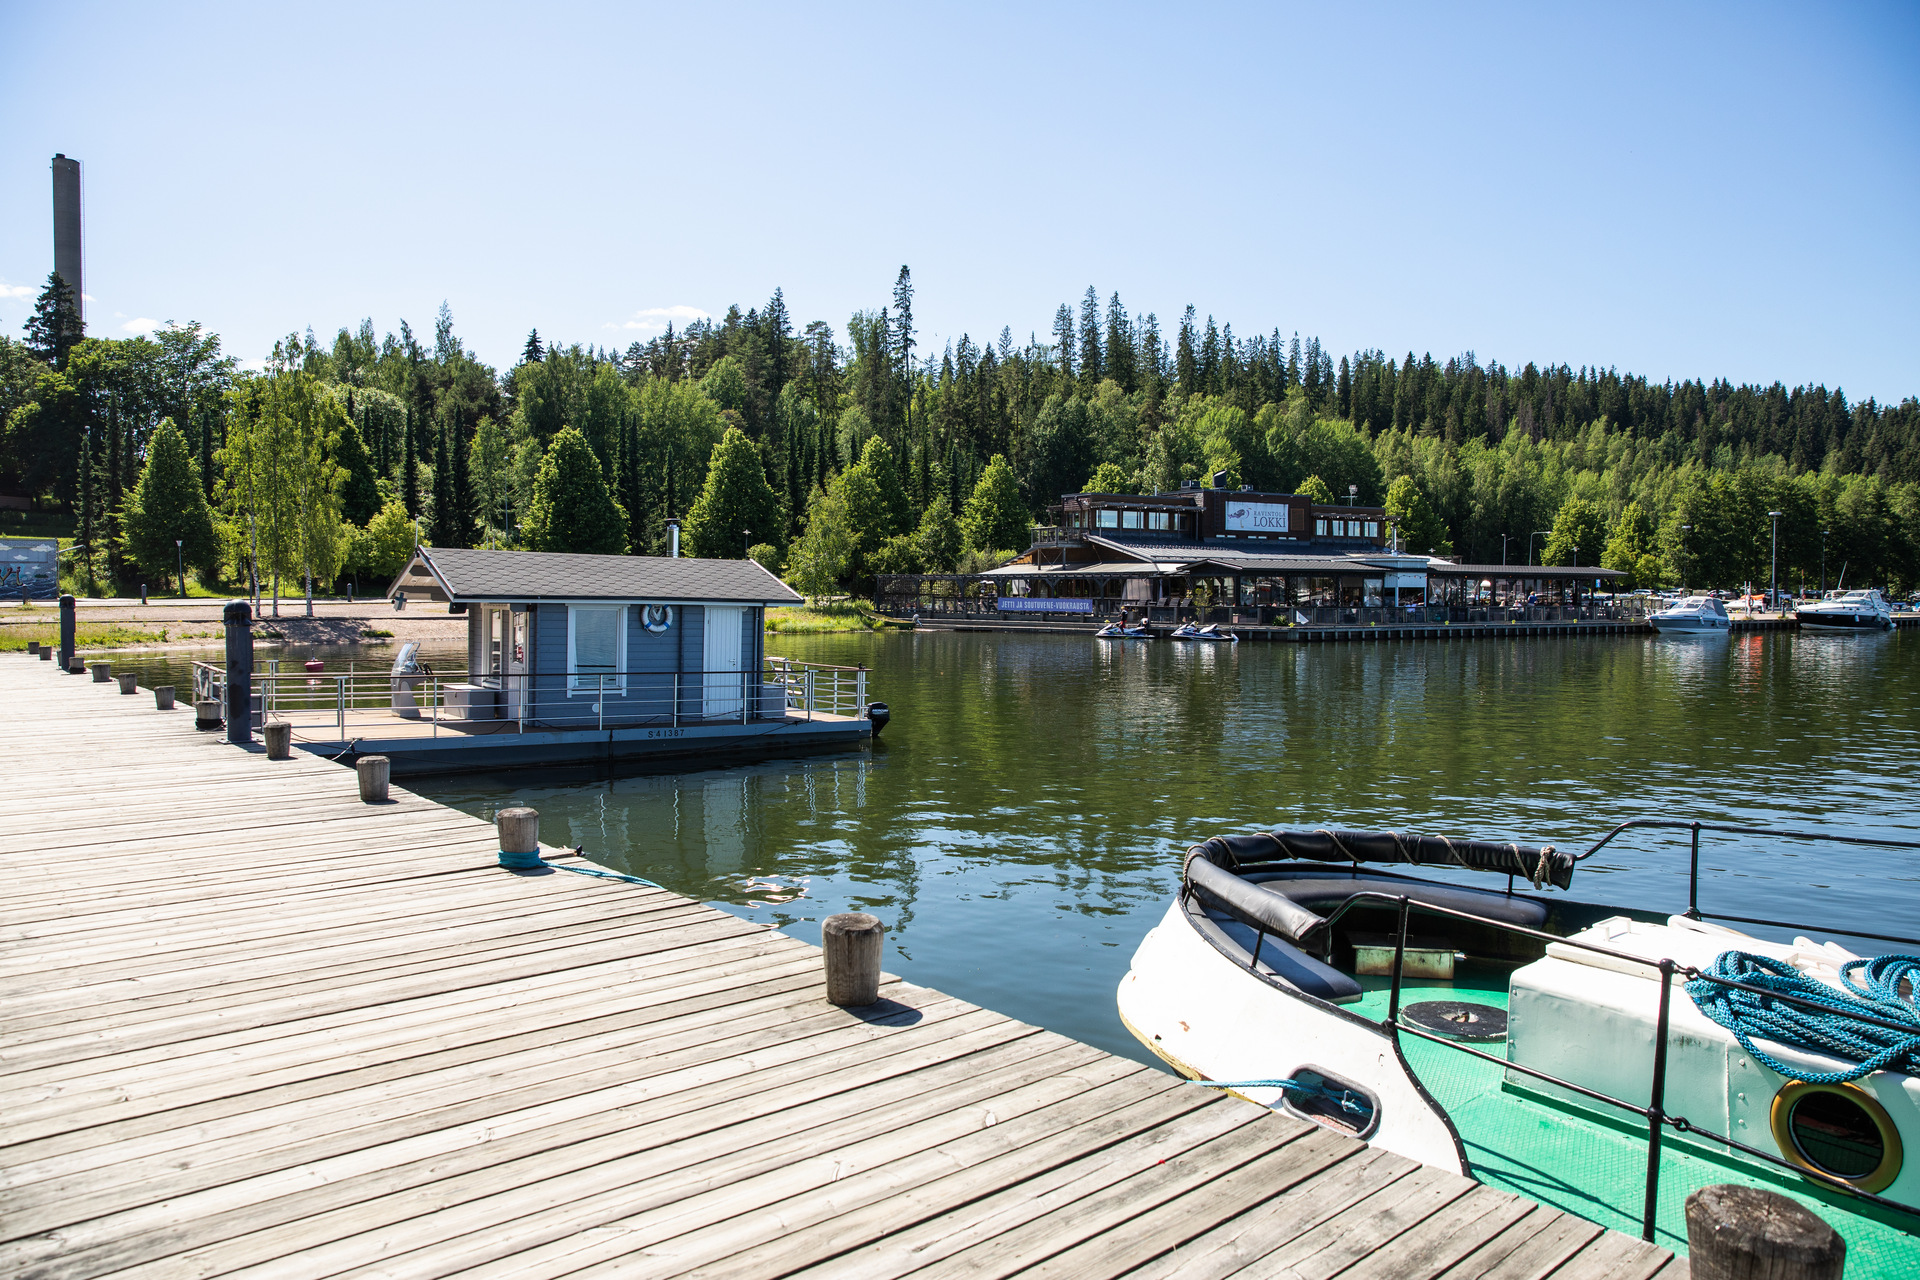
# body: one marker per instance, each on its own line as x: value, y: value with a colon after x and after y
x: 314, y: 664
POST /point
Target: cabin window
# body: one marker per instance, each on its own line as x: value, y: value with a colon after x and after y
x: 1319, y: 528
x: 1156, y: 520
x: 596, y: 637
x: 496, y: 641
x: 1373, y: 528
x: 1129, y: 519
x: 1106, y: 519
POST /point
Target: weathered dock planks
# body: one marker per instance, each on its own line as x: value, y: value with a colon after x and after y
x: 250, y: 1025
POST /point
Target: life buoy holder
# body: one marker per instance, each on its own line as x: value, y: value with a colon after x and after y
x: 656, y: 617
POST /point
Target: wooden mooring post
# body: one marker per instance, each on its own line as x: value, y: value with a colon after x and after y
x: 375, y: 773
x: 1749, y: 1233
x: 519, y: 838
x: 128, y: 684
x: 279, y: 739
x: 850, y: 943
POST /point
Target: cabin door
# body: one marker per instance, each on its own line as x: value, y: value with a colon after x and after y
x: 725, y: 696
x: 515, y: 654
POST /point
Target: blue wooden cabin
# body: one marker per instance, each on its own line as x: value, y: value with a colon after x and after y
x: 570, y: 642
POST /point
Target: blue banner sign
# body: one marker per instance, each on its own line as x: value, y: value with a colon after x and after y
x: 1041, y: 604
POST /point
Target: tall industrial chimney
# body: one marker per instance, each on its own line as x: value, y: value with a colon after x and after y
x: 66, y: 227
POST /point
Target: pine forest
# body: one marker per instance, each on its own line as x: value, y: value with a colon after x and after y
x: 832, y: 456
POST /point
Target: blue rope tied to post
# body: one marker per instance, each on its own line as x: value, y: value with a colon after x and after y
x: 533, y: 862
x: 1840, y: 1033
x: 1342, y: 1098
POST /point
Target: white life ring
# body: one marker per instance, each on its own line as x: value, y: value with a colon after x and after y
x: 656, y: 617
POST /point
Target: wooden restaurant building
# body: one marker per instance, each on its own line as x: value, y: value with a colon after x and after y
x: 1240, y: 557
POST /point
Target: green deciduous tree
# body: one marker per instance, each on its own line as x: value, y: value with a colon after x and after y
x: 1579, y: 534
x: 1631, y: 542
x: 736, y: 504
x: 1109, y: 477
x: 572, y: 509
x: 382, y: 549
x: 939, y: 538
x: 1421, y: 531
x: 995, y: 518
x: 167, y: 504
x: 1315, y: 488
x: 822, y: 557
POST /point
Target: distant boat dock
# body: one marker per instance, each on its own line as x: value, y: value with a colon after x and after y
x: 253, y: 1024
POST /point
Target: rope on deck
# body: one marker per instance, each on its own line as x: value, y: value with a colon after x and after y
x: 533, y: 862
x: 1872, y: 1048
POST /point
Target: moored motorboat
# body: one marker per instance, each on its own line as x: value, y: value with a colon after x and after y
x: 1848, y: 611
x: 1517, y: 1037
x: 1692, y: 614
x: 1211, y: 633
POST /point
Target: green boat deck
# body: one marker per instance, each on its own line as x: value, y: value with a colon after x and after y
x: 1594, y: 1165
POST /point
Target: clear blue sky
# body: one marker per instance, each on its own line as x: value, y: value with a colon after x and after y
x: 1707, y: 191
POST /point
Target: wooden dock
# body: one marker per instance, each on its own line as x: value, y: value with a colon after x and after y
x: 250, y: 1025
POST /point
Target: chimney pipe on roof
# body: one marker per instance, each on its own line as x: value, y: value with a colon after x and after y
x: 673, y: 538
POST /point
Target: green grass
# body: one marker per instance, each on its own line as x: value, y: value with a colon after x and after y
x: 99, y: 635
x: 826, y: 616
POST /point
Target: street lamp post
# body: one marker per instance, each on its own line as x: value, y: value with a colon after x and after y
x: 180, y: 561
x: 1823, y: 562
x: 1686, y: 555
x: 1353, y: 495
x: 1504, y: 539
x: 1773, y: 587
x: 1537, y: 533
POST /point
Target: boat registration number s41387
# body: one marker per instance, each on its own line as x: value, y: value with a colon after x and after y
x: 666, y: 733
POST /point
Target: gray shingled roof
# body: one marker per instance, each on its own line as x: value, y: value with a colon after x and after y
x: 475, y: 576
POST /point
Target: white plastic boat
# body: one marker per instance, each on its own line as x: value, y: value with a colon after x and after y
x: 1848, y: 611
x: 1124, y: 631
x: 1517, y: 1036
x: 1692, y: 614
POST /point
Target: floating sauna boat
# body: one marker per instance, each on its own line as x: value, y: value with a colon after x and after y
x: 1605, y: 1060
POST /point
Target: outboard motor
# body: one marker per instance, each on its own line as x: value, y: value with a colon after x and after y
x: 877, y: 716
x: 405, y: 678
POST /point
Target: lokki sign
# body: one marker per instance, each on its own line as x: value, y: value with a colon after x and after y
x: 1256, y: 517
x: 1044, y: 604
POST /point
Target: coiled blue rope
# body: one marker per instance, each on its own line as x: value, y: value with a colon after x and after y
x: 1839, y: 1033
x: 533, y: 862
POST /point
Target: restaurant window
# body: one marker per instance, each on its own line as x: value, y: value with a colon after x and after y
x: 1106, y: 519
x: 1373, y: 528
x: 596, y: 635
x: 1129, y: 519
x: 1157, y: 520
x: 1320, y: 528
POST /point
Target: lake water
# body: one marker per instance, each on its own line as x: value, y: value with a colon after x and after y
x: 1020, y: 825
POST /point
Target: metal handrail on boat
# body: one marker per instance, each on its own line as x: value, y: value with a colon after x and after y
x: 1693, y: 911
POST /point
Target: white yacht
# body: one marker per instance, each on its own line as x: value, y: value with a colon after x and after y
x: 1694, y: 613
x: 1850, y: 611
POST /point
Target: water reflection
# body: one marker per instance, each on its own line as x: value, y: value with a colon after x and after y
x: 1021, y: 824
